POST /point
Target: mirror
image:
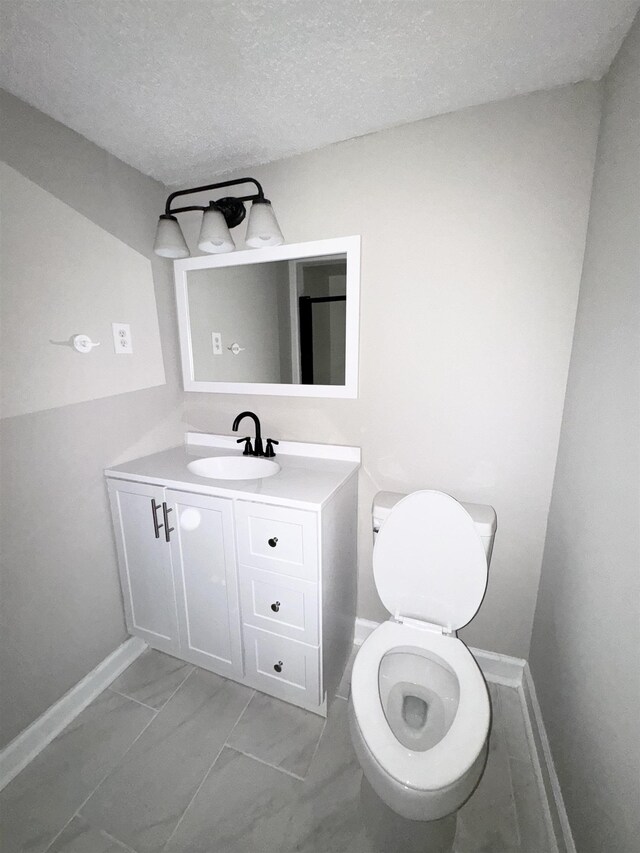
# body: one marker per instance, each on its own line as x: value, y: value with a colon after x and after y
x: 282, y: 320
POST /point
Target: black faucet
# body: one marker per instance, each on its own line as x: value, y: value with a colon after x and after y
x: 257, y: 449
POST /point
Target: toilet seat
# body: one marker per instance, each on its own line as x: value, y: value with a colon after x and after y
x: 429, y: 562
x: 448, y: 760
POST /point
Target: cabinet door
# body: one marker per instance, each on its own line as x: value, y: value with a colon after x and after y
x: 145, y: 563
x: 203, y: 556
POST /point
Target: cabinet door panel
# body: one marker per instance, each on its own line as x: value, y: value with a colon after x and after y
x: 144, y: 563
x: 203, y: 557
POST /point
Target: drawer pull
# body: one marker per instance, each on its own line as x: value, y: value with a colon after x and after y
x: 275, y: 606
x: 278, y: 666
x: 273, y: 542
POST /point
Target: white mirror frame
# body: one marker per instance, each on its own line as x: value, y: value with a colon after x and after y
x: 350, y: 246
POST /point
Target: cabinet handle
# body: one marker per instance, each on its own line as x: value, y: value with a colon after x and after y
x: 167, y: 530
x: 273, y: 542
x: 278, y: 666
x: 275, y: 606
x: 156, y: 526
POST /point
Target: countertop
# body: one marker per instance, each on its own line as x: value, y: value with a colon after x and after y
x: 304, y: 481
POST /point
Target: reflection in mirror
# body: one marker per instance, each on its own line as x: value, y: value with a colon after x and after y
x: 287, y: 319
x: 281, y: 320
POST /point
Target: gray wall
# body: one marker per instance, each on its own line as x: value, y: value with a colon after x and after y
x: 471, y: 267
x: 61, y: 605
x: 586, y: 634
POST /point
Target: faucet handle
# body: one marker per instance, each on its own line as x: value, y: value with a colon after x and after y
x: 248, y: 450
x: 270, y: 452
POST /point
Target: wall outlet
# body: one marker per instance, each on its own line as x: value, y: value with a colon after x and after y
x: 122, y: 342
x: 216, y: 343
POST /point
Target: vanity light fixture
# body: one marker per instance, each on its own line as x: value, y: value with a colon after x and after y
x: 217, y: 220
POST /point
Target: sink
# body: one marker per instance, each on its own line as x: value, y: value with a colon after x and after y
x: 233, y: 467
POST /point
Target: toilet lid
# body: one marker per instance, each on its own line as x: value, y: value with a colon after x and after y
x: 429, y: 561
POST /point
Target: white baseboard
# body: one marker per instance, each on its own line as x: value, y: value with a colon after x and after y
x: 541, y: 748
x: 363, y: 628
x: 499, y: 668
x: 24, y: 748
x: 503, y: 669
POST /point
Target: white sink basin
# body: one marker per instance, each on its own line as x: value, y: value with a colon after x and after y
x: 233, y: 467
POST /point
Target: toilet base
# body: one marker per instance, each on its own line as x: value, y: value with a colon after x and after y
x: 389, y: 832
x: 408, y: 803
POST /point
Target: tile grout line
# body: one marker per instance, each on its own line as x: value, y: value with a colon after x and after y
x: 326, y: 720
x: 167, y: 700
x: 266, y: 763
x: 156, y: 711
x: 315, y: 751
x: 113, y: 838
x: 78, y: 811
x: 188, y: 675
x: 206, y: 775
x: 226, y: 743
x: 275, y: 766
x: 131, y: 699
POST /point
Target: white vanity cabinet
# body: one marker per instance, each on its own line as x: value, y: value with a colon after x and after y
x: 241, y: 582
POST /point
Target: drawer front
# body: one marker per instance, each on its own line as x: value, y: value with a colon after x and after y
x: 282, y: 605
x: 281, y: 666
x: 278, y: 539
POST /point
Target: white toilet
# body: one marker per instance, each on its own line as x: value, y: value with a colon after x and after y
x: 419, y: 710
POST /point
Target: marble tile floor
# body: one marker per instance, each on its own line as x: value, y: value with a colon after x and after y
x: 175, y: 759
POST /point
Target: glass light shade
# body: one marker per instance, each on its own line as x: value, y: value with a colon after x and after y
x: 170, y: 242
x: 214, y: 234
x: 263, y: 228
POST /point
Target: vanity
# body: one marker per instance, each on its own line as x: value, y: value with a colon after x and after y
x: 245, y: 563
x: 254, y: 578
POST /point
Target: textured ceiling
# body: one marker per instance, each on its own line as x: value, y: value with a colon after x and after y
x: 185, y: 90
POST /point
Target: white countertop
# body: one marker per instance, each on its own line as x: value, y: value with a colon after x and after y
x: 304, y: 481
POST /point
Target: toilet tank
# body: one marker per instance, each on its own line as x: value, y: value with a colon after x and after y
x: 484, y: 517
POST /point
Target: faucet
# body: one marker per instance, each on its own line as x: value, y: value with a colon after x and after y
x: 257, y: 450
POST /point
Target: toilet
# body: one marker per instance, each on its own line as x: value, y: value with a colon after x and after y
x: 419, y: 710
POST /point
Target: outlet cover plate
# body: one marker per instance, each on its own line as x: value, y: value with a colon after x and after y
x: 122, y: 342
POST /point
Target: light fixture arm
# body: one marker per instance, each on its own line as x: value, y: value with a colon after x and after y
x: 259, y: 196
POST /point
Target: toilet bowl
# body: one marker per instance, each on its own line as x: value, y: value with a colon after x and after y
x: 419, y: 710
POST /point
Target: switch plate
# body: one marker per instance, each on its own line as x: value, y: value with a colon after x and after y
x: 122, y: 342
x: 216, y: 343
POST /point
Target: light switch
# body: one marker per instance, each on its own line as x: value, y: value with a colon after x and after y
x: 216, y: 342
x: 122, y: 342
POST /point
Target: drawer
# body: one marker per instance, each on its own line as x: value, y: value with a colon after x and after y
x: 282, y: 605
x: 278, y: 539
x: 282, y: 667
